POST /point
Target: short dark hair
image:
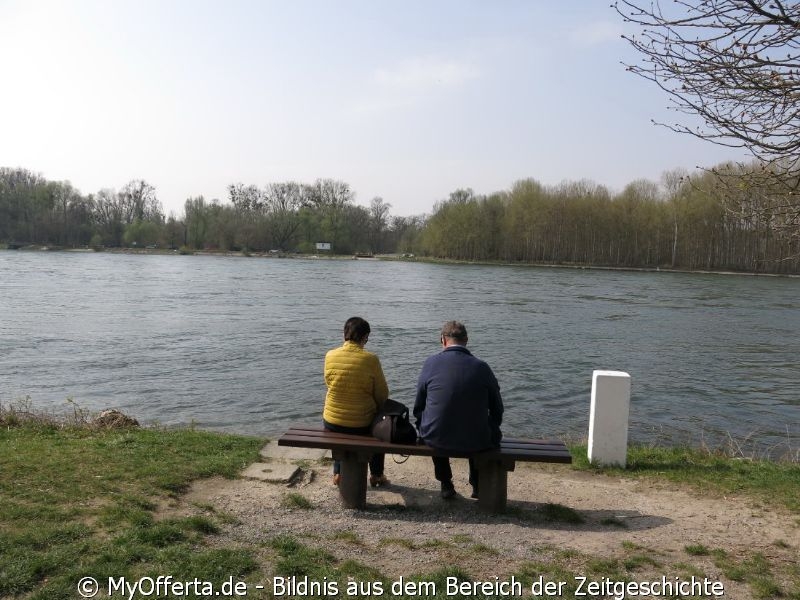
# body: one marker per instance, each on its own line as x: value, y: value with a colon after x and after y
x: 356, y: 330
x: 455, y: 330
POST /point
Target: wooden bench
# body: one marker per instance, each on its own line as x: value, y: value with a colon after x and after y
x: 354, y: 451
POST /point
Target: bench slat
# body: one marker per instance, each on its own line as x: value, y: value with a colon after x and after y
x: 512, y: 449
x: 315, y: 429
x: 344, y: 443
x: 325, y: 434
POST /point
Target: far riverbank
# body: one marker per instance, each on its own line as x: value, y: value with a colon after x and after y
x: 400, y: 257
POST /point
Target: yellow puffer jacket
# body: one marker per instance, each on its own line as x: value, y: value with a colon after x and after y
x: 356, y: 386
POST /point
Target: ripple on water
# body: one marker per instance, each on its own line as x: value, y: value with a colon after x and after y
x: 238, y: 344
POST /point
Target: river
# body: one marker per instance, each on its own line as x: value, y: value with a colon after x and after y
x: 237, y: 344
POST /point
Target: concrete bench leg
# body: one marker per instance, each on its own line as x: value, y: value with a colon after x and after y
x: 493, y: 485
x: 353, y: 484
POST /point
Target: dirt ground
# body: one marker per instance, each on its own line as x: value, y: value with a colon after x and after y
x: 407, y: 528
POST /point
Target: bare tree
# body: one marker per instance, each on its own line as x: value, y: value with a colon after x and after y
x: 736, y: 65
x: 283, y: 201
x: 64, y: 195
x: 139, y: 202
x: 246, y: 198
x: 331, y: 198
x: 108, y: 215
x: 378, y: 215
x: 328, y: 193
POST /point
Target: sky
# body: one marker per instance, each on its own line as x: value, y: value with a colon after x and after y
x: 406, y: 101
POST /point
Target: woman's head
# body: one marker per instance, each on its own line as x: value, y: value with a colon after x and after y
x: 356, y: 330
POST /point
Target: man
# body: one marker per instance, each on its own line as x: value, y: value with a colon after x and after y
x: 458, y: 406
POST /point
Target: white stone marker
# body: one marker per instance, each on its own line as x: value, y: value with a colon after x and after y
x: 608, y: 418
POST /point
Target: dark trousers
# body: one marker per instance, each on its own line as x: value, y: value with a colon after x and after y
x: 443, y: 472
x: 375, y: 463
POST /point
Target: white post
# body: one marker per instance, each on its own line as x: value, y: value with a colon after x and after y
x: 608, y: 418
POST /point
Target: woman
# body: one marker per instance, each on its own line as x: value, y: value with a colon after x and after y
x: 356, y: 389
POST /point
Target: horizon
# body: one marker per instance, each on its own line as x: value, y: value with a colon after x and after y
x: 404, y: 103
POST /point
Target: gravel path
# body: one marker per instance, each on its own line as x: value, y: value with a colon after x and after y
x: 407, y: 528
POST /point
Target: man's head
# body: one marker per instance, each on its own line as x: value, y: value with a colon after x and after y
x: 454, y: 333
x: 356, y: 330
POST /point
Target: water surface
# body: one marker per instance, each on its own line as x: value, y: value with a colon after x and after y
x: 237, y: 344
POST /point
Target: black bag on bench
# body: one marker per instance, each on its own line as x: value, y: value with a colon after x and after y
x: 392, y: 425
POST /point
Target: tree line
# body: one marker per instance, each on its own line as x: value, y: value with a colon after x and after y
x: 682, y: 222
x: 686, y: 222
x: 289, y: 217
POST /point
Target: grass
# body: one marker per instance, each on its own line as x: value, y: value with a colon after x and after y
x: 298, y: 559
x: 697, y: 550
x: 295, y: 500
x: 352, y: 579
x: 435, y: 543
x: 349, y: 537
x: 401, y: 542
x: 462, y: 538
x: 753, y: 569
x: 483, y: 549
x: 76, y: 501
x: 773, y: 484
x: 632, y: 563
x: 688, y: 571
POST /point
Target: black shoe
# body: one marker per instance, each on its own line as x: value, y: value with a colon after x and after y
x: 378, y: 480
x: 448, y: 491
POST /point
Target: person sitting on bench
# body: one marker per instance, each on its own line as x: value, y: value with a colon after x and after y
x: 356, y: 390
x: 458, y: 406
